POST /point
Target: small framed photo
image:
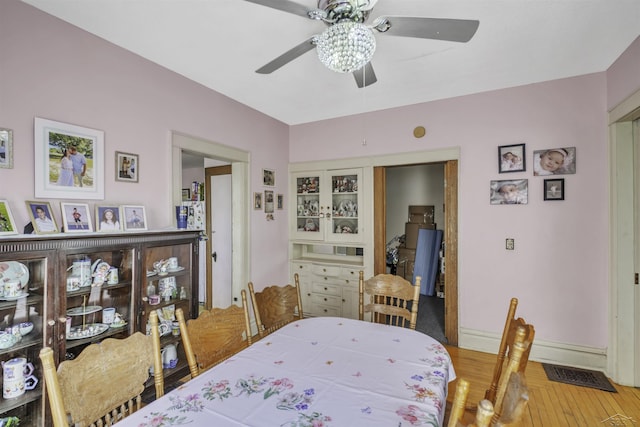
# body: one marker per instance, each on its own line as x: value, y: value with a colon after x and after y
x: 76, y: 217
x: 69, y: 161
x: 126, y: 167
x: 268, y: 201
x: 108, y: 218
x: 42, y: 217
x: 6, y: 148
x: 134, y: 217
x: 280, y: 200
x: 268, y: 177
x: 511, y: 158
x: 7, y: 223
x: 257, y: 201
x: 554, y: 161
x: 554, y: 189
x: 186, y: 194
x: 509, y: 192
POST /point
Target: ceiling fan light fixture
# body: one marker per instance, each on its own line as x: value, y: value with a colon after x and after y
x: 346, y: 46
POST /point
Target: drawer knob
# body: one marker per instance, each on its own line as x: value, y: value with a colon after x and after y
x: 300, y: 267
x: 325, y: 299
x: 326, y: 289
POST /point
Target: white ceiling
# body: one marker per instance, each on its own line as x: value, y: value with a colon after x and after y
x: 220, y: 43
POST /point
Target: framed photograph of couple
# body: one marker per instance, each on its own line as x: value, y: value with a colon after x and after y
x: 511, y: 158
x: 69, y: 161
x: 126, y: 167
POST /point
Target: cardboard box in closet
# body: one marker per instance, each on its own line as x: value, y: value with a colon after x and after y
x: 411, y: 233
x: 421, y: 214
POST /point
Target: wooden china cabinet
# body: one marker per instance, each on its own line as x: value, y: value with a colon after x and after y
x: 64, y: 304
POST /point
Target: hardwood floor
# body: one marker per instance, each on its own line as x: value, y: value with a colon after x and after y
x: 551, y: 403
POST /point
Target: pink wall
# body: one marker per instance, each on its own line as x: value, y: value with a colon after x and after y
x: 559, y: 268
x: 53, y: 70
x: 623, y: 77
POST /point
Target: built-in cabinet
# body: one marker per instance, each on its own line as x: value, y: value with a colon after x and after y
x: 66, y: 282
x: 328, y: 238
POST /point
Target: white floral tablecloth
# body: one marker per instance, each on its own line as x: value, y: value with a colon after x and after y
x: 319, y: 372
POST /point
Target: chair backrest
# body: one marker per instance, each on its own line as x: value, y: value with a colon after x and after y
x: 484, y: 412
x: 513, y: 330
x: 275, y: 306
x: 105, y: 381
x: 215, y: 335
x: 389, y: 298
x: 512, y: 395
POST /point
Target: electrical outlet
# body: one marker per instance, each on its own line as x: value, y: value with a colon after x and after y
x: 510, y: 244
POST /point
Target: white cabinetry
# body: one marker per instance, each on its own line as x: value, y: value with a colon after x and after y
x: 327, y: 205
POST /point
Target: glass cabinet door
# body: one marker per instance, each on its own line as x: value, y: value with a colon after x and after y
x: 345, y: 204
x: 310, y: 208
x: 24, y: 292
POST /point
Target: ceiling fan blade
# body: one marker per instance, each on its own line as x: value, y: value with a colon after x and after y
x: 365, y: 76
x: 285, y: 6
x: 455, y: 30
x: 287, y: 57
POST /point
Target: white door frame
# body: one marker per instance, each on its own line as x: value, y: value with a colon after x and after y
x: 239, y: 160
x: 624, y: 247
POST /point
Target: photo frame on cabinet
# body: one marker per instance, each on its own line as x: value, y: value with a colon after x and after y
x: 280, y: 203
x: 257, y: 201
x: 7, y: 223
x: 268, y: 201
x: 268, y: 177
x: 42, y: 217
x: 554, y: 189
x: 6, y: 148
x: 108, y: 218
x: 509, y: 192
x: 511, y: 158
x: 127, y: 166
x: 134, y: 218
x: 69, y: 161
x: 76, y: 217
x: 554, y: 161
x: 186, y: 194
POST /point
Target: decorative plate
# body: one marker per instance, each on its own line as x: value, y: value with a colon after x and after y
x: 24, y: 295
x: 118, y: 325
x: 15, y: 270
x: 80, y: 311
x: 86, y: 331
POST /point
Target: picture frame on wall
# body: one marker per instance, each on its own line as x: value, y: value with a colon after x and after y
x: 127, y: 167
x: 108, y: 218
x: 554, y: 189
x: 76, y: 217
x: 134, y: 217
x: 268, y: 177
x: 42, y: 217
x: 268, y: 201
x: 69, y: 161
x: 7, y: 223
x: 257, y: 201
x: 509, y: 192
x: 6, y: 148
x: 280, y: 203
x: 186, y: 194
x: 554, y: 161
x: 511, y: 158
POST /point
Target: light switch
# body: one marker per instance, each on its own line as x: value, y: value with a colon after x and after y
x: 510, y: 244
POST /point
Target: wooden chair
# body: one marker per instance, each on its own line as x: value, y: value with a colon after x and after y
x: 512, y: 332
x: 105, y: 382
x: 215, y: 335
x: 389, y: 298
x: 275, y: 306
x: 484, y: 412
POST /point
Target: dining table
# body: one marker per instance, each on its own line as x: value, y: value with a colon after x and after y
x: 316, y: 372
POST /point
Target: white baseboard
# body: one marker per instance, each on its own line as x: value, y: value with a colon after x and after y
x: 542, y: 351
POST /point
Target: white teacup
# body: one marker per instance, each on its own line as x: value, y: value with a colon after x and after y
x: 12, y: 288
x: 172, y: 263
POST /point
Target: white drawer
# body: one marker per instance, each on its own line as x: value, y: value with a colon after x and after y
x: 326, y: 289
x: 328, y: 300
x: 350, y: 275
x: 322, y: 310
x: 326, y: 270
x: 302, y: 268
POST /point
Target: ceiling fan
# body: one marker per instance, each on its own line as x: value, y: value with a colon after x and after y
x: 347, y: 45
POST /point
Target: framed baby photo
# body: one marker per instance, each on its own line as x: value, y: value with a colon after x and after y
x: 257, y: 201
x: 509, y: 192
x: 268, y: 177
x: 7, y: 224
x: 76, y: 217
x: 126, y: 167
x: 69, y: 161
x: 108, y: 218
x: 511, y: 158
x: 134, y: 218
x: 42, y: 217
x: 268, y: 201
x: 554, y: 189
x: 554, y: 161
